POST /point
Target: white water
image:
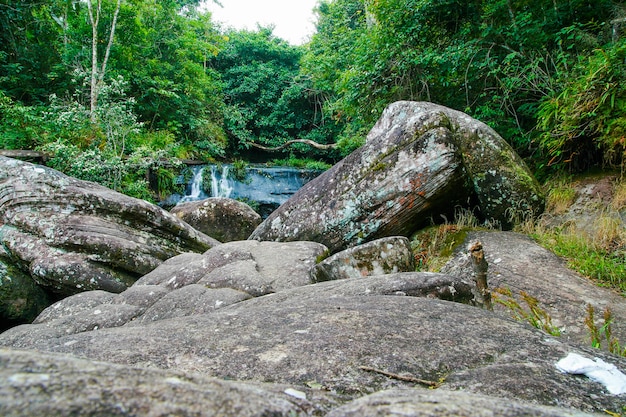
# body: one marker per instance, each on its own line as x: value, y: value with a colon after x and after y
x: 220, y: 187
x: 196, y: 188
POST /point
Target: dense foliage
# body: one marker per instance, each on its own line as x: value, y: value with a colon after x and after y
x: 542, y: 73
x: 118, y: 91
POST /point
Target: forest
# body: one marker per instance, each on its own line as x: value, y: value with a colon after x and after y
x: 114, y: 89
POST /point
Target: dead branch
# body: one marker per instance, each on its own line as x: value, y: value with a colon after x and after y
x: 479, y: 263
x: 401, y: 377
x: 309, y: 142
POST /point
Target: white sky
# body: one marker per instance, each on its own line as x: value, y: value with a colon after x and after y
x: 293, y: 19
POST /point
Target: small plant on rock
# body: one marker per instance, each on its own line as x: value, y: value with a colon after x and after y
x: 604, y: 332
x: 533, y: 313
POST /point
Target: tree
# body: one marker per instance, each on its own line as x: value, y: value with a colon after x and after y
x: 98, y: 71
x: 268, y: 103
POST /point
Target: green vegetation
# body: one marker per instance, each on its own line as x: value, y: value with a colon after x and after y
x: 160, y: 79
x: 123, y: 96
x: 532, y: 313
x: 604, y: 333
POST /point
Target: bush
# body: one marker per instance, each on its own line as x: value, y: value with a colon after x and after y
x: 583, y: 124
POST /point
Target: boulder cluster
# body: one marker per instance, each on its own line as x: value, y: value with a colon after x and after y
x: 136, y: 311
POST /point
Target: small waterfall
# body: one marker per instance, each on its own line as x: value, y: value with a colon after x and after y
x: 266, y: 187
x: 220, y: 187
x: 196, y: 187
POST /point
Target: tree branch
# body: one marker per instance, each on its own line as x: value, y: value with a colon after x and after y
x: 293, y: 141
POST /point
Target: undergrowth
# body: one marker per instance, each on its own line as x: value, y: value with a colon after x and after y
x: 433, y: 246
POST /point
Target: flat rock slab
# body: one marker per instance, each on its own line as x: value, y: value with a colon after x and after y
x: 519, y: 264
x: 35, y: 384
x: 319, y: 339
x: 443, y: 403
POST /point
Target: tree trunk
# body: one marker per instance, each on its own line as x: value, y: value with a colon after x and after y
x: 97, y: 74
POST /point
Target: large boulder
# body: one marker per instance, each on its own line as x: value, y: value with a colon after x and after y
x: 349, y: 337
x: 352, y: 345
x: 420, y: 161
x: 379, y: 257
x: 71, y: 235
x: 34, y: 384
x: 224, y: 219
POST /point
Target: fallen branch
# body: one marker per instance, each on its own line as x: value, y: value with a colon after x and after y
x: 401, y: 377
x: 309, y: 142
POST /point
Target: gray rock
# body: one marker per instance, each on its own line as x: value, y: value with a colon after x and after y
x: 191, y: 300
x: 382, y: 256
x: 318, y: 339
x: 74, y: 235
x: 443, y: 403
x: 420, y: 161
x: 518, y: 264
x: 35, y: 384
x: 142, y: 296
x: 224, y: 219
x: 21, y: 299
x: 260, y: 268
x: 74, y: 305
x: 176, y: 272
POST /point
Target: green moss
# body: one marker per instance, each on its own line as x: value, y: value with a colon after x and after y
x: 322, y: 256
x: 379, y: 167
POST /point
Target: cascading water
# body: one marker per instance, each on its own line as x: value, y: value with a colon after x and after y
x: 196, y: 187
x: 264, y: 187
x: 221, y: 187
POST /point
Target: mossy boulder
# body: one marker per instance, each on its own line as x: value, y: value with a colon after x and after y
x: 421, y: 161
x: 70, y: 235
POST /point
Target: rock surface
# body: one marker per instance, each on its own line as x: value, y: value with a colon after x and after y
x: 379, y: 257
x: 71, y: 235
x: 442, y: 403
x: 344, y: 339
x: 33, y: 384
x: 224, y: 219
x: 21, y: 300
x: 518, y: 264
x: 420, y: 161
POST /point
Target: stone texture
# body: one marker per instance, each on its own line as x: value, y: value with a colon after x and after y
x: 442, y: 403
x: 224, y: 219
x: 420, y: 161
x: 309, y: 337
x: 259, y: 268
x: 73, y: 235
x: 519, y: 264
x: 382, y: 256
x: 34, y: 384
x: 21, y: 299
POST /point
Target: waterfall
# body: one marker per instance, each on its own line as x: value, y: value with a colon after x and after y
x: 196, y: 187
x: 220, y: 187
x: 266, y: 187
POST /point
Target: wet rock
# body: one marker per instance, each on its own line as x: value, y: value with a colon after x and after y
x: 420, y: 161
x: 224, y: 219
x: 73, y: 235
x: 382, y: 256
x: 21, y: 299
